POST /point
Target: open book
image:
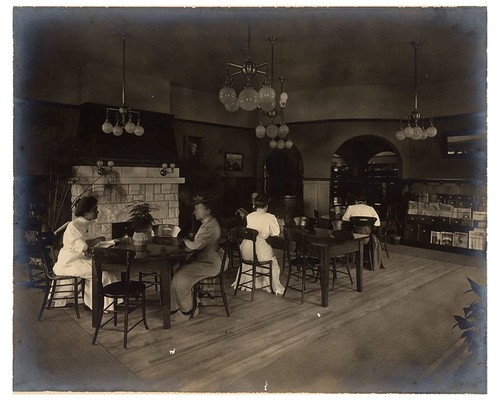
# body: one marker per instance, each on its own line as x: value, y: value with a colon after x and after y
x: 107, y: 243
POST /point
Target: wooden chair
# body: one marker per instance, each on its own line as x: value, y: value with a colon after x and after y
x: 365, y: 226
x: 321, y: 222
x: 306, y: 223
x: 131, y: 294
x: 68, y: 288
x: 306, y: 266
x: 159, y: 230
x: 258, y: 268
x: 212, y: 287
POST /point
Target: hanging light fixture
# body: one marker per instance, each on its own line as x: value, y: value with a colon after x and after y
x: 264, y: 100
x: 415, y: 128
x: 124, y: 114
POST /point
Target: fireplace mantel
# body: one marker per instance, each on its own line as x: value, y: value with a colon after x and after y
x: 120, y: 187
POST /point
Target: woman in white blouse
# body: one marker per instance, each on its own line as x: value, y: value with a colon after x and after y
x: 267, y: 225
x: 79, y: 237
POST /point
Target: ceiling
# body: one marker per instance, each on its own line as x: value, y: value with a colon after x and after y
x: 316, y: 47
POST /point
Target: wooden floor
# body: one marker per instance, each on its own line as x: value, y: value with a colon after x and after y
x: 394, y: 337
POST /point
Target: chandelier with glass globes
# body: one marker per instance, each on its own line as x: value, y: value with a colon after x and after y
x: 124, y: 115
x: 415, y: 128
x: 265, y: 100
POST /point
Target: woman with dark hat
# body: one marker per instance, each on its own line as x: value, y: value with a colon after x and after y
x: 79, y: 237
x: 204, y: 263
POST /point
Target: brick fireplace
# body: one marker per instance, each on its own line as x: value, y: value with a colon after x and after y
x: 122, y: 186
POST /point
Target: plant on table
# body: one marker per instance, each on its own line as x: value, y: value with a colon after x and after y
x: 141, y: 221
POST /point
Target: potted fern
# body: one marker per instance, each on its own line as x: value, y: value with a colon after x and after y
x: 141, y: 222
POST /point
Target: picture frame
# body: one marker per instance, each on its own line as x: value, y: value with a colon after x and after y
x: 193, y: 150
x: 233, y: 162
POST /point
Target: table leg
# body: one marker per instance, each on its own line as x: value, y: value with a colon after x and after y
x: 165, y: 281
x: 325, y: 276
x: 359, y: 268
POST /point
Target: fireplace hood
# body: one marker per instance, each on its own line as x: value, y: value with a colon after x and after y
x: 155, y: 147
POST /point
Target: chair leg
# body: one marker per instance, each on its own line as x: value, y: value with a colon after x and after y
x: 288, y: 278
x: 44, y: 302
x: 254, y: 273
x: 143, y: 304
x: 303, y: 285
x: 52, y: 290
x: 385, y: 246
x: 223, y: 294
x: 125, y: 324
x: 238, y: 280
x: 75, y: 296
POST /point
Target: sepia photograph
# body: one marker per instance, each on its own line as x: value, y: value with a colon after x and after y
x: 258, y: 200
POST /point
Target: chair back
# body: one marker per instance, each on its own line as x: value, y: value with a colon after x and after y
x: 111, y: 256
x: 316, y: 214
x: 40, y: 247
x: 363, y: 225
x: 299, y: 237
x: 166, y: 230
x: 239, y: 234
x: 306, y: 223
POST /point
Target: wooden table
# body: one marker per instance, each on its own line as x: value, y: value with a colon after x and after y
x: 160, y: 256
x: 328, y: 247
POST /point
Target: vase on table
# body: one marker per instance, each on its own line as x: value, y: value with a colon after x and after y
x: 140, y: 240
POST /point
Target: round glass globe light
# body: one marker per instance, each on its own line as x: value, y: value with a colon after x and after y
x: 267, y: 95
x: 417, y: 133
x: 130, y: 127
x: 117, y: 130
x: 400, y: 135
x: 139, y: 130
x: 227, y: 95
x: 107, y: 127
x: 260, y: 131
x: 272, y: 131
x: 289, y: 144
x: 408, y: 131
x: 233, y: 106
x: 431, y: 131
x: 272, y: 144
x: 268, y: 106
x: 280, y: 144
x: 424, y: 136
x: 283, y: 130
x: 248, y: 99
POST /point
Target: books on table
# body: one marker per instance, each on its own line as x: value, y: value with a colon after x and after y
x: 107, y: 243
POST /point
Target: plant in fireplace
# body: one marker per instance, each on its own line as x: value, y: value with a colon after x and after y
x: 141, y: 222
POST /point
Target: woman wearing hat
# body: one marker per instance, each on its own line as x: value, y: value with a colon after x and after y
x: 206, y: 262
x: 79, y: 237
x: 267, y: 225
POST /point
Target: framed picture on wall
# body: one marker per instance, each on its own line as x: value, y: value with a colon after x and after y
x: 193, y: 150
x: 233, y: 161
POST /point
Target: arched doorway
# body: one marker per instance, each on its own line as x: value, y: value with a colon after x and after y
x: 283, y: 181
x: 372, y: 164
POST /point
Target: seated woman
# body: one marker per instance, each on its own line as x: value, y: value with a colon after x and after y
x: 79, y: 237
x: 202, y: 264
x: 267, y: 225
x: 242, y: 213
